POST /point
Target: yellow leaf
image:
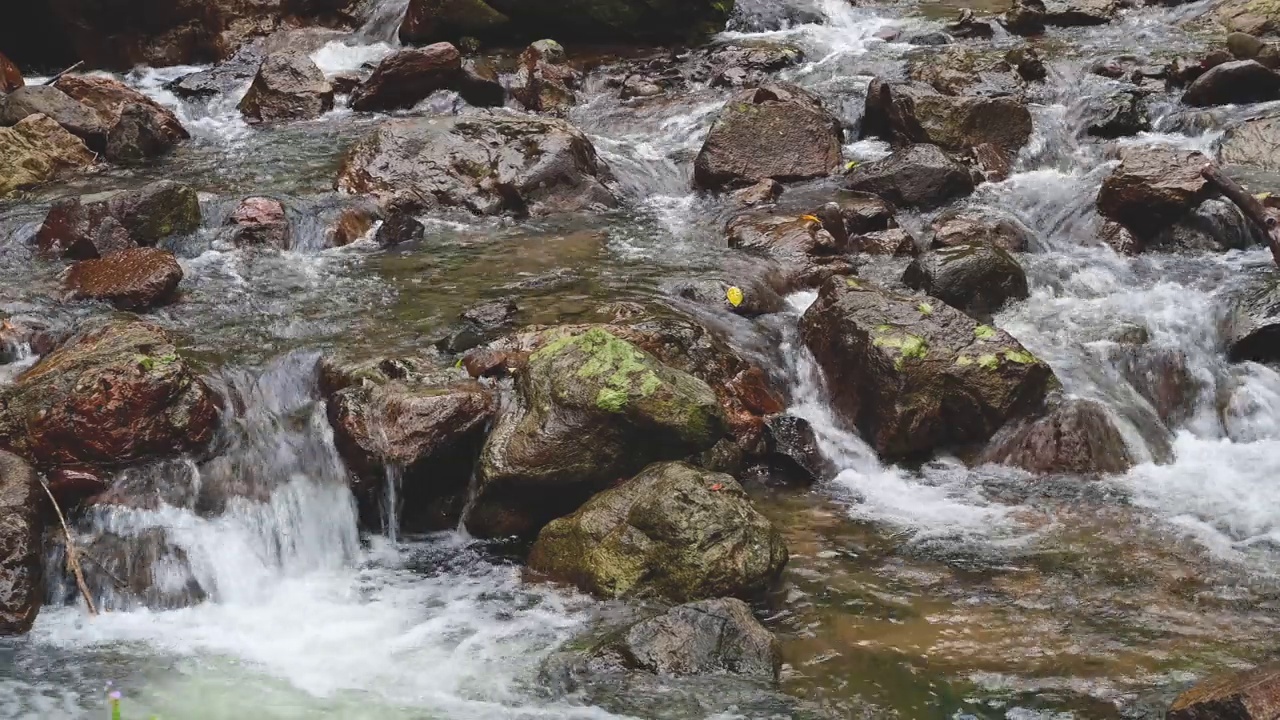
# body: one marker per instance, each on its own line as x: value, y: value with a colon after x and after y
x: 734, y: 296
x: 811, y: 218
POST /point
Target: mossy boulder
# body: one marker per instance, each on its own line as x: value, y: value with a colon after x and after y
x: 913, y: 374
x: 37, y: 150
x: 111, y: 396
x: 590, y: 408
x: 673, y: 532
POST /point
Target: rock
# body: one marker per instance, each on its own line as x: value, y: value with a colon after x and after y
x: 288, y: 86
x: 20, y: 339
x: 913, y: 381
x: 75, y: 117
x: 479, y: 324
x: 707, y: 637
x: 967, y: 27
x: 345, y: 83
x: 110, y: 396
x: 1028, y: 17
x: 545, y: 81
x: 776, y: 131
x: 1026, y: 61
x: 762, y: 193
x: 1119, y: 238
x: 592, y: 408
x: 429, y: 21
x: 487, y: 165
x: 921, y: 176
x: 407, y: 77
x: 137, y: 136
x: 793, y: 451
x: 1163, y: 377
x: 137, y: 278
x: 1244, y: 46
x: 671, y: 532
x: 1024, y: 18
x: 962, y: 71
x: 806, y: 252
x: 224, y: 78
x: 109, y: 98
x: 918, y: 114
x: 426, y: 428
x: 90, y: 226
x: 751, y: 65
x: 260, y: 221
x: 140, y: 570
x: 1128, y: 67
x: 1214, y: 225
x: 636, y: 86
x: 1250, y: 695
x: 757, y: 296
x: 10, y: 75
x: 895, y: 242
x: 1075, y: 437
x: 1252, y: 327
x: 351, y: 224
x: 399, y: 227
x: 613, y: 21
x: 958, y: 227
x: 479, y: 85
x: 864, y: 213
x: 1152, y: 188
x: 977, y: 279
x: 1253, y: 143
x: 1120, y: 114
x: 21, y: 554
x: 1238, y: 82
x: 1184, y: 72
x: 1248, y: 16
x: 37, y: 150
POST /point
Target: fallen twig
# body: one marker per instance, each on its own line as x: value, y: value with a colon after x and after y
x: 72, y: 561
x: 1249, y: 205
x: 57, y: 77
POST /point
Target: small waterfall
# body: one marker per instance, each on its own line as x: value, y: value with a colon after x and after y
x: 382, y: 21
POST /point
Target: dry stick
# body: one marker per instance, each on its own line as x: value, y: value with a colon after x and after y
x: 55, y: 78
x: 71, y: 552
x: 1249, y: 205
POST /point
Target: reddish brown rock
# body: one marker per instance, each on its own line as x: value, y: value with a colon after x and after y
x: 110, y: 396
x: 288, y: 86
x: 350, y: 225
x: 1075, y: 437
x: 260, y: 221
x: 802, y: 246
x: 21, y: 529
x: 1152, y: 188
x: 91, y: 226
x: 408, y: 76
x: 894, y: 242
x: 10, y: 76
x: 1252, y: 695
x: 965, y: 228
x: 545, y: 81
x: 131, y: 279
x: 109, y: 97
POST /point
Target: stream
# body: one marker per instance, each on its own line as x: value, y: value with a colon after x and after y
x: 933, y: 591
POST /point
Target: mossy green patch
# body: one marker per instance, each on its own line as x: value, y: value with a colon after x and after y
x: 915, y: 347
x: 925, y: 309
x: 963, y: 361
x: 850, y: 282
x: 622, y: 367
x: 988, y: 362
x: 611, y: 400
x: 1020, y: 357
x: 984, y: 332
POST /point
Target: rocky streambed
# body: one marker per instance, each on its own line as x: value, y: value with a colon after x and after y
x: 768, y: 360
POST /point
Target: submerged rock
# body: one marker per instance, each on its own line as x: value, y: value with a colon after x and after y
x: 91, y: 226
x: 1120, y: 114
x: 21, y: 531
x: 110, y: 396
x: 487, y: 165
x: 131, y: 279
x: 914, y: 375
x: 545, y: 82
x: 288, y: 86
x: 921, y: 176
x: 109, y: 98
x: 590, y: 408
x: 145, y: 569
x: 37, y: 150
x: 977, y: 279
x: 1250, y: 695
x: 478, y: 324
x: 792, y: 450
x: 399, y: 227
x: 1239, y: 82
x: 407, y: 77
x: 776, y: 131
x: 1074, y: 437
x: 672, y: 532
x: 1214, y: 225
x: 74, y: 116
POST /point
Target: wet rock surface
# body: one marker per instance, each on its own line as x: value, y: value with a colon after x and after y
x: 131, y: 279
x: 921, y: 176
x: 1074, y: 437
x: 37, y: 150
x: 91, y: 226
x: 1152, y: 188
x: 74, y: 116
x: 408, y: 76
x: 21, y: 531
x: 977, y: 279
x: 288, y: 86
x: 1242, y: 81
x: 109, y: 98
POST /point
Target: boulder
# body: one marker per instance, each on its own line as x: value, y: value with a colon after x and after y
x: 1252, y: 327
x: 756, y: 295
x: 1163, y: 377
x: 142, y: 569
x: 806, y: 253
x: 1244, y: 46
x: 1152, y: 188
x: 1249, y: 16
x: 288, y: 86
x: 479, y: 84
x: 545, y: 81
x: 1254, y: 143
x: 962, y: 71
x: 1118, y: 115
x: 1214, y: 225
x: 110, y: 396
x: 977, y: 279
x: 426, y: 427
x: 136, y: 136
x: 774, y: 131
x: 10, y: 75
x: 71, y: 114
x: 37, y: 150
x: 487, y: 165
x: 1029, y: 17
x: 260, y: 222
x: 224, y: 78
x: 1118, y: 238
x: 399, y: 227
x: 1250, y: 695
x: 707, y: 637
x: 921, y: 176
x: 894, y: 242
x: 591, y: 408
x: 430, y: 21
x: 407, y: 77
x: 968, y: 27
x: 1239, y: 82
x: 792, y: 450
x: 137, y: 278
x: 960, y: 227
x: 1074, y: 437
x: 672, y: 532
x: 864, y: 212
x: 1027, y: 63
x: 109, y: 97
x: 612, y: 21
x: 750, y: 65
x: 90, y: 226
x: 21, y: 555
x: 350, y: 224
x: 916, y: 113
x: 762, y: 193
x: 914, y: 375
x: 1184, y: 71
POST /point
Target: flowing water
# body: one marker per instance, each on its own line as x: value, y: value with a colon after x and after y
x: 924, y: 592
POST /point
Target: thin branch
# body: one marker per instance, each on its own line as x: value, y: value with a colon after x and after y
x: 1249, y: 205
x: 72, y: 561
x: 58, y: 77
